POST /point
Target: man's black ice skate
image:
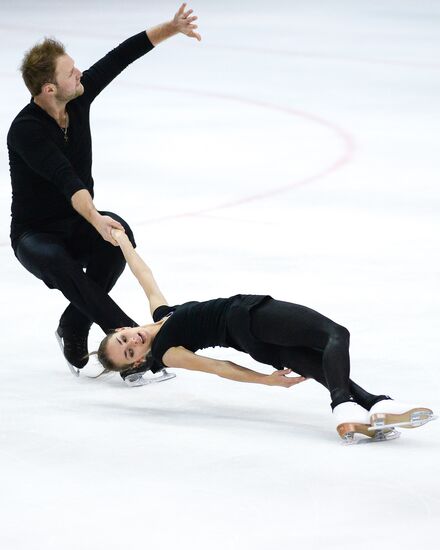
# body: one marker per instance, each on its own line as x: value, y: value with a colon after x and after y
x: 74, y: 347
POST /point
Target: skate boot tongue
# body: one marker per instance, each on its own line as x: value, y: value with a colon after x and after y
x: 350, y: 411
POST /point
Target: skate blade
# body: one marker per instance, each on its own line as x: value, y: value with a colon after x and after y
x: 379, y: 437
x: 135, y: 381
x: 348, y: 429
x: 409, y: 419
x: 72, y: 368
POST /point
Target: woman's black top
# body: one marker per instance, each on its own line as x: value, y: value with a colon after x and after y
x: 223, y: 322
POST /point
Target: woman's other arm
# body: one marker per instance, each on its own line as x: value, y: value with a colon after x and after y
x: 180, y: 357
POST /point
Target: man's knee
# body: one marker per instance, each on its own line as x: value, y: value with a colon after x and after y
x: 47, y: 259
x: 41, y: 253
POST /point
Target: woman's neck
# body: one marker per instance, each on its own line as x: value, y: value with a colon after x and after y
x: 154, y: 328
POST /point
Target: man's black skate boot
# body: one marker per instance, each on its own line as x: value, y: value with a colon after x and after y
x: 74, y: 347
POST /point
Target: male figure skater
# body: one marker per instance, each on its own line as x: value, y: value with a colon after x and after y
x: 57, y: 233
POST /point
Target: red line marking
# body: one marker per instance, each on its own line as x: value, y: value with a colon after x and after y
x: 325, y: 56
x: 341, y: 134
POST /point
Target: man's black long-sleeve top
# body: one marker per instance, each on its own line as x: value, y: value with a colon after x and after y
x: 46, y: 170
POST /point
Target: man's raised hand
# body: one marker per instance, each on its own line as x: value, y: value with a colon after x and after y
x: 184, y: 22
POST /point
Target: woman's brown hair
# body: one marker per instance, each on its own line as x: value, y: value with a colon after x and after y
x: 106, y: 362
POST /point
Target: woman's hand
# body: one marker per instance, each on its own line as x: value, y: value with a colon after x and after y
x: 118, y: 235
x: 280, y: 378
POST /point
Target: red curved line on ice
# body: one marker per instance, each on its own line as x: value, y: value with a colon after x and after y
x: 341, y: 134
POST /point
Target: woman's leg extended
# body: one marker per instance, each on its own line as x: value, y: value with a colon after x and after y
x: 308, y: 363
x: 291, y: 325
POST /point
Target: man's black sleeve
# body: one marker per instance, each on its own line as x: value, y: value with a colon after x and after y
x: 106, y: 69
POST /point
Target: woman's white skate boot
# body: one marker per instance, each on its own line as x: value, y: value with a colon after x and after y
x: 351, y: 418
x: 390, y: 413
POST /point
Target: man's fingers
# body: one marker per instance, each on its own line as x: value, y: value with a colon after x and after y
x: 112, y: 224
x: 115, y: 231
x: 186, y: 14
x: 116, y: 225
x: 110, y: 239
x: 191, y: 19
x: 181, y: 9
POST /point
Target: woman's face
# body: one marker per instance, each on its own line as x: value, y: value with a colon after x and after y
x: 129, y: 345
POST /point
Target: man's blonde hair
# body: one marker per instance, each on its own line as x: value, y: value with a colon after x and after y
x: 39, y: 64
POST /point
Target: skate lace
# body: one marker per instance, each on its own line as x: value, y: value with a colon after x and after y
x: 76, y: 345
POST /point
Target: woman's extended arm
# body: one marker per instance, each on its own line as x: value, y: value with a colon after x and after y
x: 140, y: 270
x: 180, y: 357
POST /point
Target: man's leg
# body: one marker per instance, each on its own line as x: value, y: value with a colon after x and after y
x: 104, y: 264
x: 47, y: 257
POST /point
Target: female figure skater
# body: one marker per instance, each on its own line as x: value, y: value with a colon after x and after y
x: 284, y: 335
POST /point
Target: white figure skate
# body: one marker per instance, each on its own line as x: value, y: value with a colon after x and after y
x: 390, y: 414
x: 352, y: 419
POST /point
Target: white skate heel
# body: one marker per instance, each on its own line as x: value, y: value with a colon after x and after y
x: 389, y: 414
x: 351, y: 419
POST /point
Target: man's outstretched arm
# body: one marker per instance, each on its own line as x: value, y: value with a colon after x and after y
x: 182, y: 22
x: 112, y: 64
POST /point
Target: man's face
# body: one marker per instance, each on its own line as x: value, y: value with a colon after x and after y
x: 68, y: 79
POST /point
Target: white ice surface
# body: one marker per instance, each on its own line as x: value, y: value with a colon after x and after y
x: 294, y: 151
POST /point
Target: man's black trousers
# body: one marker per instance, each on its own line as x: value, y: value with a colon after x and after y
x: 72, y: 257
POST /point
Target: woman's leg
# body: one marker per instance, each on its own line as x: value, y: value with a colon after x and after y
x: 291, y: 325
x: 308, y: 363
